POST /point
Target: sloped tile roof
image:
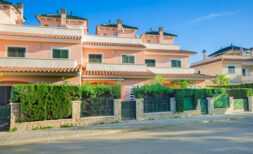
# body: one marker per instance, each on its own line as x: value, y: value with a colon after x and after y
x: 224, y: 50
x: 40, y: 69
x: 115, y: 25
x: 58, y: 16
x: 158, y: 33
x: 5, y: 2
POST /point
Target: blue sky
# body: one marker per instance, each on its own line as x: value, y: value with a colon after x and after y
x: 199, y: 24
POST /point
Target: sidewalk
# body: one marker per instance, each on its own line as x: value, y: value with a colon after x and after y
x: 36, y: 136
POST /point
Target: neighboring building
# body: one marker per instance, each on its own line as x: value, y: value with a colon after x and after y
x: 116, y: 30
x: 11, y: 13
x: 61, y: 51
x: 63, y: 19
x: 234, y: 61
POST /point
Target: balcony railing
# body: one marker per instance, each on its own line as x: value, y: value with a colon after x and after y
x: 37, y: 63
x: 137, y: 68
x: 41, y: 30
x: 246, y: 79
x: 163, y: 70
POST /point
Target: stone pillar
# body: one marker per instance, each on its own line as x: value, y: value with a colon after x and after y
x: 210, y: 102
x: 14, y: 114
x: 198, y: 107
x: 117, y: 109
x: 76, y: 111
x: 250, y: 101
x: 173, y: 105
x: 140, y: 109
x: 232, y: 104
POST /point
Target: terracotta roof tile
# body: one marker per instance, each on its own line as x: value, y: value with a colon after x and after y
x: 39, y: 70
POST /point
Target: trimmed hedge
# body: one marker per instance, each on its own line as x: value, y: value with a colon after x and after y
x: 151, y: 89
x: 44, y: 102
x: 240, y: 92
x: 92, y: 91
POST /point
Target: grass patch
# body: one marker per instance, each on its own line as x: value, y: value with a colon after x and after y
x: 42, y: 128
x: 13, y: 130
x: 67, y: 126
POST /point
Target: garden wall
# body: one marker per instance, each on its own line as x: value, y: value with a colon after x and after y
x: 76, y: 119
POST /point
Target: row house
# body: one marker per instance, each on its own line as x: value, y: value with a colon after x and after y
x: 61, y: 50
x: 234, y: 61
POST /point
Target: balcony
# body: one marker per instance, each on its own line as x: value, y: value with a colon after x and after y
x: 246, y: 79
x: 162, y: 70
x: 41, y: 63
x: 39, y: 30
x: 137, y: 68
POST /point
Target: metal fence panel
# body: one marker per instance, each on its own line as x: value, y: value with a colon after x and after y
x: 128, y: 110
x: 241, y: 104
x: 221, y: 101
x: 4, y: 117
x: 156, y: 104
x: 99, y: 106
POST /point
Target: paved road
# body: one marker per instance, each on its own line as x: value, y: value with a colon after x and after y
x: 229, y: 136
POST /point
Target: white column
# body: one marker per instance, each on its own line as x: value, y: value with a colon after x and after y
x: 250, y: 101
x: 140, y: 109
x: 173, y: 106
x: 210, y: 101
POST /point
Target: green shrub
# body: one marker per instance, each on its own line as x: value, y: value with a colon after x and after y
x: 91, y: 91
x: 240, y: 92
x: 44, y: 102
x: 151, y: 89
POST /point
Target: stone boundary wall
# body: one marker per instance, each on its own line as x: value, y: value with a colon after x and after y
x: 140, y: 115
x: 76, y: 119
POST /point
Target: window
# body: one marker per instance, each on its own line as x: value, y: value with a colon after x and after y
x: 176, y: 63
x: 95, y: 58
x: 16, y: 52
x: 61, y: 53
x: 245, y: 72
x: 127, y: 59
x: 231, y: 69
x: 150, y: 62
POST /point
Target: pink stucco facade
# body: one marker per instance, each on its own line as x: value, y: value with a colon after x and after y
x: 69, y: 33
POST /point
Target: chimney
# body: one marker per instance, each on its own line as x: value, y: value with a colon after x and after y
x: 63, y: 14
x: 204, y: 54
x: 119, y: 25
x: 161, y: 34
x: 242, y: 51
x: 20, y: 7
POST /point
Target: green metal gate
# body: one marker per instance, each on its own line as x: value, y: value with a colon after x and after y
x: 204, y: 105
x: 188, y: 103
x: 5, y: 95
x: 128, y: 110
x: 4, y: 117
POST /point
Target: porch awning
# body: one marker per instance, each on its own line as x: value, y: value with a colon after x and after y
x: 39, y: 69
x: 194, y: 76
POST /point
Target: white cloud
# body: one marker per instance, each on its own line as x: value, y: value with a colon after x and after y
x: 213, y: 16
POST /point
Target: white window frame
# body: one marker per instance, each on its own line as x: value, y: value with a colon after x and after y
x: 61, y: 48
x: 95, y: 53
x: 16, y: 46
x: 232, y: 66
x: 178, y: 60
x: 121, y: 58
x: 150, y: 59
